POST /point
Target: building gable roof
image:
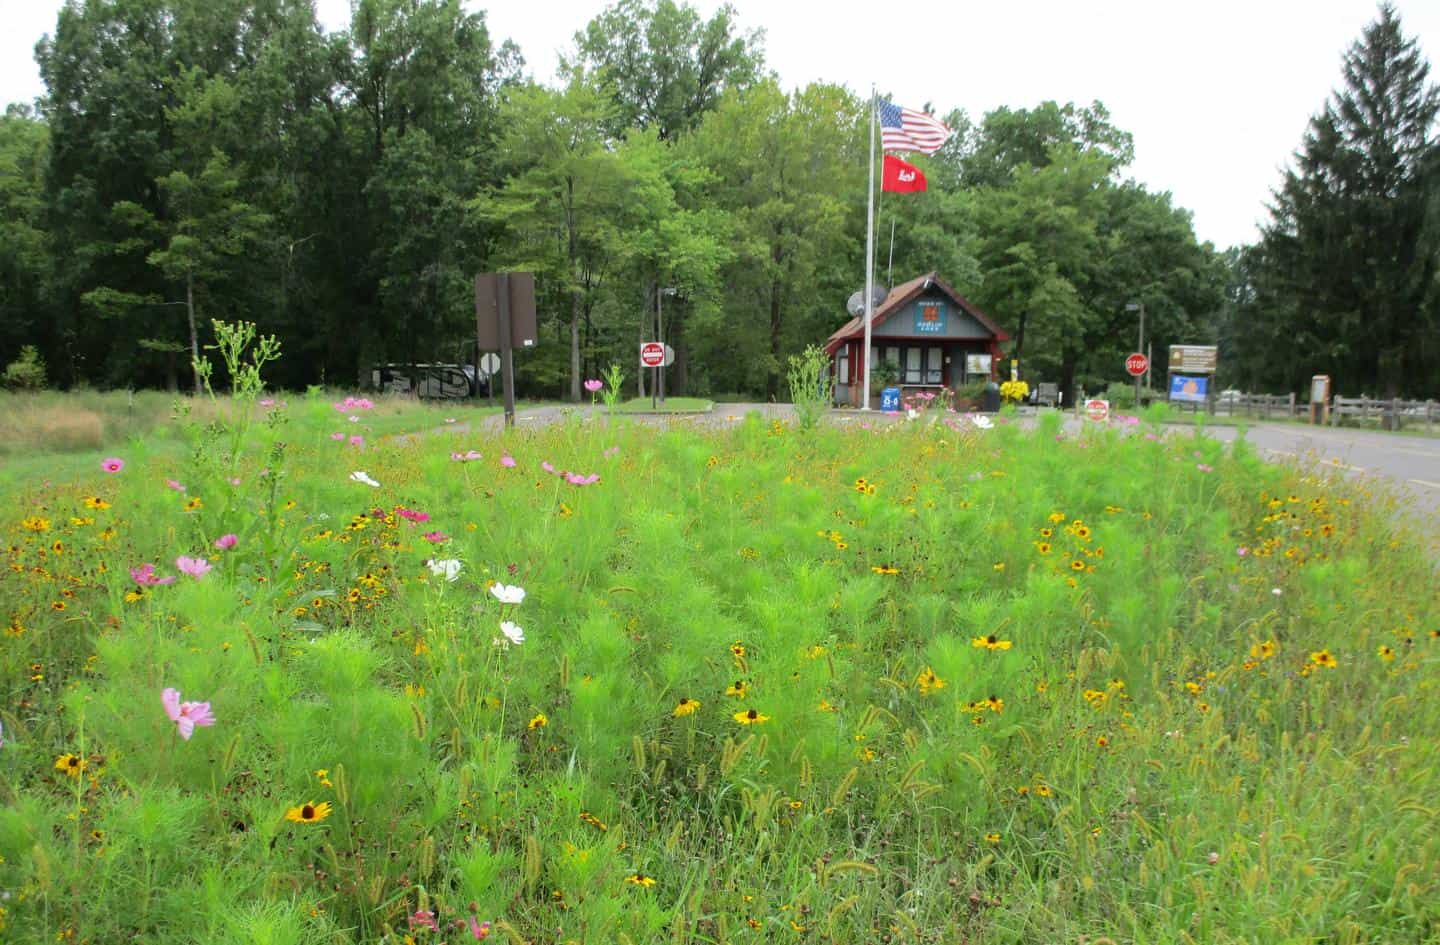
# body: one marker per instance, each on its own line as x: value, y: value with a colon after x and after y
x: 903, y: 294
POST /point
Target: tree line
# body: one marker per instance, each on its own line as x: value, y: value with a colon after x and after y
x: 201, y: 159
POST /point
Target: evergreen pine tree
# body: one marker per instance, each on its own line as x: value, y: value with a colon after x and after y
x: 1351, y: 252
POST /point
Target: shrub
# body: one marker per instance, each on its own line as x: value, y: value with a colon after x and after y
x: 26, y: 372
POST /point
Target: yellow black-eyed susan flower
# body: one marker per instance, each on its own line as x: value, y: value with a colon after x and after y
x: 1324, y: 658
x: 193, y: 504
x: 1077, y: 565
x: 308, y: 813
x: 738, y: 689
x: 750, y: 717
x: 95, y: 502
x: 640, y: 879
x: 539, y: 720
x: 884, y: 569
x: 990, y: 642
x: 1386, y: 653
x: 992, y: 837
x: 995, y: 703
x: 72, y: 765
x: 927, y: 682
x: 1046, y: 532
x: 686, y: 706
x: 1043, y: 547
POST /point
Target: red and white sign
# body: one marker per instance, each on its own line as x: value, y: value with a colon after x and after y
x: 1097, y: 409
x: 1137, y: 364
x: 652, y: 354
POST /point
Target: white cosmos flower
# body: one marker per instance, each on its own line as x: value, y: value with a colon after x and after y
x: 513, y: 633
x: 508, y: 593
x: 362, y: 476
x: 983, y: 423
x: 448, y: 567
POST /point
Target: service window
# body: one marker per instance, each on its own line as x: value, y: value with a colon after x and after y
x: 934, y: 365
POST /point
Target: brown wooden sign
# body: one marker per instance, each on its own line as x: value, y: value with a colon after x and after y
x: 522, y: 310
x: 1192, y: 359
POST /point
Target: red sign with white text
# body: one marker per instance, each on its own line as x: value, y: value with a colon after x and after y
x: 1137, y: 364
x: 652, y: 354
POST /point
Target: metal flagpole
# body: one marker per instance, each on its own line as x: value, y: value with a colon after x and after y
x: 869, y: 255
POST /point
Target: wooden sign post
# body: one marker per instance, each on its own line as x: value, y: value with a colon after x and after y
x: 505, y: 320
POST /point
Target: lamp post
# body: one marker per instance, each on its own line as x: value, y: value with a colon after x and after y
x: 658, y: 388
x: 1140, y: 346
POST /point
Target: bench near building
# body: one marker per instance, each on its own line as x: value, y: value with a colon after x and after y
x: 925, y: 336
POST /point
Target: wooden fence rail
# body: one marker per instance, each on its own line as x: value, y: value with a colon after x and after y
x: 1393, y: 414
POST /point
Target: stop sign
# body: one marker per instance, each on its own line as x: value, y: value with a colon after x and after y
x: 1137, y: 364
x: 652, y: 354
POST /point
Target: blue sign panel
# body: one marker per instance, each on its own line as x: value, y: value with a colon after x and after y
x: 929, y: 317
x: 1188, y: 388
x: 890, y: 400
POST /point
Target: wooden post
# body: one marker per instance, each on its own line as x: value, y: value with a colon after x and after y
x: 507, y: 352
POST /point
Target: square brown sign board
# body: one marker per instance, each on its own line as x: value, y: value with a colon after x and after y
x: 522, y: 310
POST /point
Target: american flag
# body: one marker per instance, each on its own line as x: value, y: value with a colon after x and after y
x: 905, y: 129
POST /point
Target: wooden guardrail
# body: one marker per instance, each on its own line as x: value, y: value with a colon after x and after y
x: 1393, y: 414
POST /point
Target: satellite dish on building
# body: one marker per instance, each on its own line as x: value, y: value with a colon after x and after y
x: 856, y: 305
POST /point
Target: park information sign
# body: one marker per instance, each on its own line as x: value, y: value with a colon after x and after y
x: 930, y: 317
x: 1192, y: 359
x: 1187, y: 388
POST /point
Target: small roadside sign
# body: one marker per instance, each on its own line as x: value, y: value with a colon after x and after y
x: 652, y: 354
x: 1137, y: 364
x: 490, y: 363
x: 1098, y: 410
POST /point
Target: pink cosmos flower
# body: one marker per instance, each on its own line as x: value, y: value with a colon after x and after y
x: 424, y: 919
x: 337, y: 435
x: 1204, y: 468
x: 594, y: 385
x: 575, y: 479
x: 145, y: 576
x: 226, y: 542
x: 467, y: 456
x: 357, y: 440
x: 354, y: 403
x: 178, y: 487
x: 234, y: 480
x: 545, y: 465
x: 436, y: 537
x: 479, y: 931
x: 112, y: 464
x: 267, y: 401
x: 186, y: 715
x: 195, y: 567
x: 507, y: 461
x: 1242, y: 551
x: 412, y: 515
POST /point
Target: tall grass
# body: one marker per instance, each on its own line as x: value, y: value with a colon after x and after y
x: 1006, y: 686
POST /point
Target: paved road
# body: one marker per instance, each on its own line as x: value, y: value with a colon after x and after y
x: 1411, y: 463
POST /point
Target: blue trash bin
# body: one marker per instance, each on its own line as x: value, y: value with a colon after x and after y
x: 890, y: 400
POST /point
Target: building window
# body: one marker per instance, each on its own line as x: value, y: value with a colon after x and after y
x: 842, y: 365
x: 934, y: 366
x: 914, y: 369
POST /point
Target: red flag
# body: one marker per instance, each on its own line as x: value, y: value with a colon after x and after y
x: 901, y: 178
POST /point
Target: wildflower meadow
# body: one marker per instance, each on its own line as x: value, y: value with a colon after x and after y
x: 927, y: 682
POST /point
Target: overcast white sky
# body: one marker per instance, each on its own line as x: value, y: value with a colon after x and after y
x: 1217, y: 94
